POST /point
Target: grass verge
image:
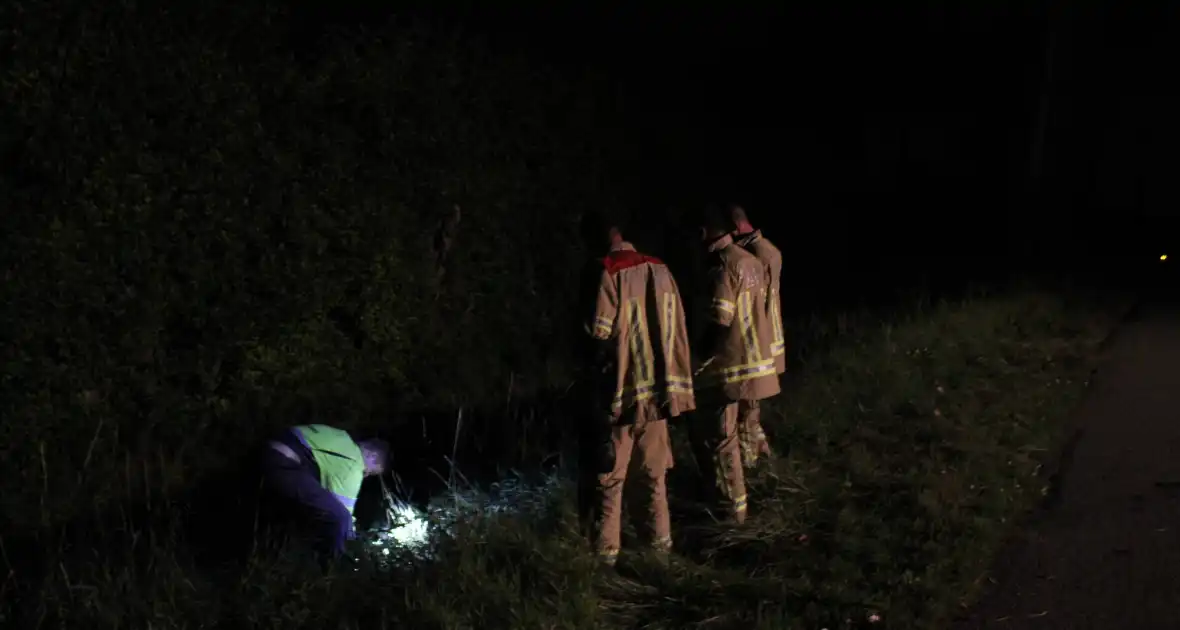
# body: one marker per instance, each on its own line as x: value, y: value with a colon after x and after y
x: 908, y: 449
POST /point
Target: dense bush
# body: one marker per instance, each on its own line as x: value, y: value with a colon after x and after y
x: 207, y: 234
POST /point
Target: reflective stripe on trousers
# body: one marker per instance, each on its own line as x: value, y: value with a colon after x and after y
x: 750, y: 434
x: 728, y: 475
x: 639, y: 432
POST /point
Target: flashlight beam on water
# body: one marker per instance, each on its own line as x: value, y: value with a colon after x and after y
x: 408, y: 526
x: 411, y: 530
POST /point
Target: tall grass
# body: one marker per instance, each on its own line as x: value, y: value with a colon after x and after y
x: 909, y: 449
x: 209, y: 235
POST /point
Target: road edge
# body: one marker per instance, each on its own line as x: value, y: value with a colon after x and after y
x: 1054, y: 469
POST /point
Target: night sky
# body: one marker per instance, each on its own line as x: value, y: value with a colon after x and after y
x: 874, y: 140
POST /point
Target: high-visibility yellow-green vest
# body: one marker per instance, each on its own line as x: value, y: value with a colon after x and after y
x: 341, y: 463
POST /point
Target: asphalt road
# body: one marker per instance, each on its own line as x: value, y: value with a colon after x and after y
x: 1106, y: 553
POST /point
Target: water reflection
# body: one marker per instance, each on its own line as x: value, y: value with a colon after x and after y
x: 410, y: 530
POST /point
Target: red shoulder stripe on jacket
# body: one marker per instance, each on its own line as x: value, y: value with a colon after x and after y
x: 624, y: 259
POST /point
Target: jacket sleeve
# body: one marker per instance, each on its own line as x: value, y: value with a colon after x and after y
x: 724, y: 302
x: 775, y: 265
x: 601, y: 324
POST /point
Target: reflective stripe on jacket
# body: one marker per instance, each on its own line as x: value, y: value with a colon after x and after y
x: 761, y: 247
x: 743, y: 364
x: 639, y: 310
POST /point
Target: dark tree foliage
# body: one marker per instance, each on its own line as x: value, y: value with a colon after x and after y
x: 212, y: 229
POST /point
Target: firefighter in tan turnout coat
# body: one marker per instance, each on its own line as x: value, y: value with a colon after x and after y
x: 738, y: 363
x: 638, y: 318
x: 750, y: 431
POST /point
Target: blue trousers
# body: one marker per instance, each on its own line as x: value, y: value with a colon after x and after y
x: 296, y: 482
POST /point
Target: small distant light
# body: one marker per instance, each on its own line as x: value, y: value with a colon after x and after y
x: 1164, y: 257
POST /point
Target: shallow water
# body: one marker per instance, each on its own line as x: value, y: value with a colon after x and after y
x: 411, y: 530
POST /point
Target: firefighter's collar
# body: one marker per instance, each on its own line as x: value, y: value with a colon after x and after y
x: 721, y: 243
x: 747, y: 239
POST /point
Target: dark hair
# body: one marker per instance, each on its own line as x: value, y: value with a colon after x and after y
x: 375, y: 452
x: 596, y: 224
x: 715, y: 217
x: 737, y: 214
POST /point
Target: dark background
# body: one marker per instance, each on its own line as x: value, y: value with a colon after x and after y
x: 880, y: 144
x: 286, y: 268
x: 207, y: 240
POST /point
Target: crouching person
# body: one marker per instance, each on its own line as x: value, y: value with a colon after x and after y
x: 638, y: 322
x: 316, y: 472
